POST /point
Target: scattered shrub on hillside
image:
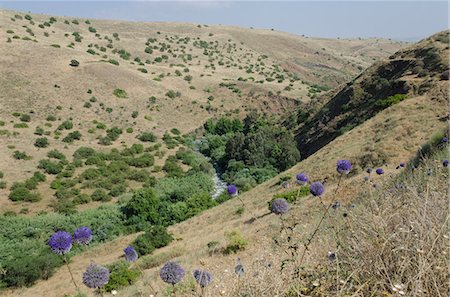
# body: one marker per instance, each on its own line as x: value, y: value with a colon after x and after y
x: 25, y: 118
x: 21, y: 155
x: 120, y: 276
x: 120, y: 93
x: 391, y: 100
x: 235, y: 242
x: 41, y: 142
x: 154, y: 238
x: 74, y: 63
x: 147, y: 137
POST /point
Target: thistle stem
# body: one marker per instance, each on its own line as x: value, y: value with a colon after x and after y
x: 70, y: 272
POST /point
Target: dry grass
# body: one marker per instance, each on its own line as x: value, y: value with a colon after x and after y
x: 32, y: 69
x: 398, y: 243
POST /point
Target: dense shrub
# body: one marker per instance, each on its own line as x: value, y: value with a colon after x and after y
x: 147, y: 137
x: 21, y: 155
x: 119, y: 93
x: 74, y: 63
x: 120, y: 276
x: 51, y: 167
x: 66, y: 125
x: 235, y: 242
x: 142, y: 209
x: 72, y: 136
x: 391, y: 100
x: 23, y: 194
x: 41, y: 142
x: 155, y: 237
x: 25, y: 255
x: 25, y: 118
x: 100, y: 195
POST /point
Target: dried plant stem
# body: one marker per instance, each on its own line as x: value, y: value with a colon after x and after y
x: 70, y: 272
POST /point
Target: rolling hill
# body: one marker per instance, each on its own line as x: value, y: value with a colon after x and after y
x: 150, y: 77
x: 377, y: 117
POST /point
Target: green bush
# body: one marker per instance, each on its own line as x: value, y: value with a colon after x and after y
x: 142, y: 209
x: 23, y: 194
x: 72, y: 136
x: 147, y: 137
x: 120, y: 276
x: 41, y: 142
x: 235, y: 242
x: 25, y: 118
x: 66, y: 125
x: 100, y: 195
x: 155, y: 237
x: 21, y: 155
x: 55, y: 154
x: 25, y: 255
x: 74, y: 63
x: 391, y: 100
x: 119, y: 93
x: 51, y: 167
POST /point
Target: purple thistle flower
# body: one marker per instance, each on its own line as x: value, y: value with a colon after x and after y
x: 317, y: 189
x: 130, y: 254
x: 232, y: 190
x: 402, y: 165
x: 95, y: 276
x: 369, y: 170
x: 343, y: 166
x: 302, y: 179
x: 171, y: 273
x: 203, y: 278
x: 379, y: 171
x: 60, y: 242
x: 445, y: 139
x: 445, y: 163
x: 280, y: 206
x: 83, y: 235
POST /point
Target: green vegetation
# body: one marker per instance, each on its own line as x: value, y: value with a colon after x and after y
x: 391, y: 100
x: 41, y: 142
x: 251, y: 152
x: 119, y: 93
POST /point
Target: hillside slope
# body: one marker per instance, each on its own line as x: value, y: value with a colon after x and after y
x: 390, y: 136
x: 148, y: 77
x: 419, y: 70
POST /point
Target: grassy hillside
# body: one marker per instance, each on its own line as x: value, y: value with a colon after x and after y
x: 419, y: 70
x: 97, y: 128
x: 137, y: 78
x: 380, y: 219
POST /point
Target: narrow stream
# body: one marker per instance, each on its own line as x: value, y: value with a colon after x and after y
x: 219, y: 185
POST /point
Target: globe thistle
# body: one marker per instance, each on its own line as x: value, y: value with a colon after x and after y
x: 317, y: 189
x: 203, y: 278
x: 95, y: 276
x: 232, y: 190
x: 445, y: 139
x: 379, y: 171
x: 302, y: 179
x: 130, y: 254
x: 171, y: 273
x: 445, y: 163
x: 280, y: 206
x: 402, y: 164
x: 83, y: 235
x: 60, y: 242
x: 343, y: 166
x: 369, y: 170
